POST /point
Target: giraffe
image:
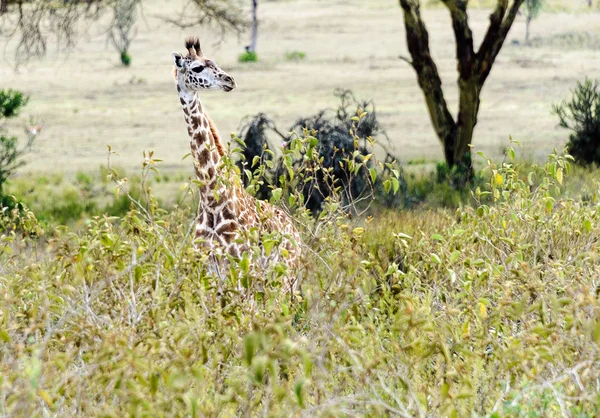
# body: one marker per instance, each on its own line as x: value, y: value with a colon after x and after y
x: 227, y: 214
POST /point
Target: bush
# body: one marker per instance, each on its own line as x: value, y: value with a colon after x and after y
x: 248, y: 56
x: 11, y: 103
x: 489, y: 310
x: 125, y: 58
x: 338, y: 136
x: 581, y: 115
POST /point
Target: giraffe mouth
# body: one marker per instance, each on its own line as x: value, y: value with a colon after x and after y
x: 227, y: 88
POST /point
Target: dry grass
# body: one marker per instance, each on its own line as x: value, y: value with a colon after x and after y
x: 87, y: 101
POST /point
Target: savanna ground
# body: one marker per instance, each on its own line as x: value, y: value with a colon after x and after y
x: 490, y: 308
x: 88, y: 101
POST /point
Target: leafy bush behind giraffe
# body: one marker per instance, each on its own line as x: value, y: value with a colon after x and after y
x: 486, y: 310
x: 345, y: 133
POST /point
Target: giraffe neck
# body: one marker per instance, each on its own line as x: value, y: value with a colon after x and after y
x: 204, y: 139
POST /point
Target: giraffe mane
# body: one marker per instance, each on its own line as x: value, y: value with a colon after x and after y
x: 216, y: 136
x: 192, y: 44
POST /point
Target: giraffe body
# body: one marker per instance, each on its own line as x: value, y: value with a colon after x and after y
x: 227, y: 214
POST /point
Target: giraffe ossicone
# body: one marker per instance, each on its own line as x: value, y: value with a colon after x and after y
x: 227, y: 214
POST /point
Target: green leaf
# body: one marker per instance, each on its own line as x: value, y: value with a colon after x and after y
x: 387, y: 186
x: 276, y: 195
x: 511, y: 154
x: 249, y: 347
x: 298, y: 390
x: 373, y: 174
x: 396, y: 184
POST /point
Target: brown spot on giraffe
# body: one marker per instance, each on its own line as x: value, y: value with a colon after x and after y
x: 228, y: 227
x: 228, y: 212
x: 195, y: 122
x: 199, y: 138
x: 229, y: 237
x: 203, y: 157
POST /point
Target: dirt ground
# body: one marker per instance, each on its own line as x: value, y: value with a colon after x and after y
x: 87, y: 101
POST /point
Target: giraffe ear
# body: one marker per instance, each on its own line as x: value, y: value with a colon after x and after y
x: 178, y: 60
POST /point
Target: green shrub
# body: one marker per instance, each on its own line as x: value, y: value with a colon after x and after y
x: 11, y: 103
x: 295, y: 56
x: 125, y: 58
x: 581, y: 115
x: 248, y: 56
x: 59, y: 200
x: 338, y: 135
x: 487, y: 310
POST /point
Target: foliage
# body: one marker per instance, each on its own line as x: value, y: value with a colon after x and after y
x: 125, y: 58
x: 337, y: 136
x: 59, y: 200
x: 248, y: 56
x: 256, y: 152
x: 11, y: 102
x: 295, y: 55
x: 581, y: 115
x: 35, y: 23
x: 122, y: 31
x: 16, y: 218
x: 532, y: 10
x: 489, y: 310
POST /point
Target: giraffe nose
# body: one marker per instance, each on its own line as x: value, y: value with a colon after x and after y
x: 228, y: 83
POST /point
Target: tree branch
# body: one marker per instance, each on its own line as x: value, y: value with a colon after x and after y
x: 417, y: 39
x: 464, y: 36
x: 500, y: 24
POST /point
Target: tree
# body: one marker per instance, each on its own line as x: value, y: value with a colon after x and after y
x: 34, y: 23
x: 532, y: 10
x: 473, y: 70
x: 581, y: 115
x: 11, y: 102
x: 254, y: 38
x: 121, y: 33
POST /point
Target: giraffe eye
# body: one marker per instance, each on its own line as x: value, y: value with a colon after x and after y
x: 198, y: 69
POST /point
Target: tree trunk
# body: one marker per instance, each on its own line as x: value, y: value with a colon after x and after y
x: 254, y: 26
x: 473, y: 69
x: 3, y: 6
x: 527, y: 24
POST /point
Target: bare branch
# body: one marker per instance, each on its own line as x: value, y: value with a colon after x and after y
x: 464, y: 36
x: 500, y: 24
x: 417, y: 39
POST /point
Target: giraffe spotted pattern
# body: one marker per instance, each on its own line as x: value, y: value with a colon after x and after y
x: 227, y: 214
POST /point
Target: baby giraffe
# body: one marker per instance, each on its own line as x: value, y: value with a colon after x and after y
x: 227, y: 214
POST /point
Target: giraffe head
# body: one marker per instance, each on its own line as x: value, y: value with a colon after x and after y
x: 196, y: 72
